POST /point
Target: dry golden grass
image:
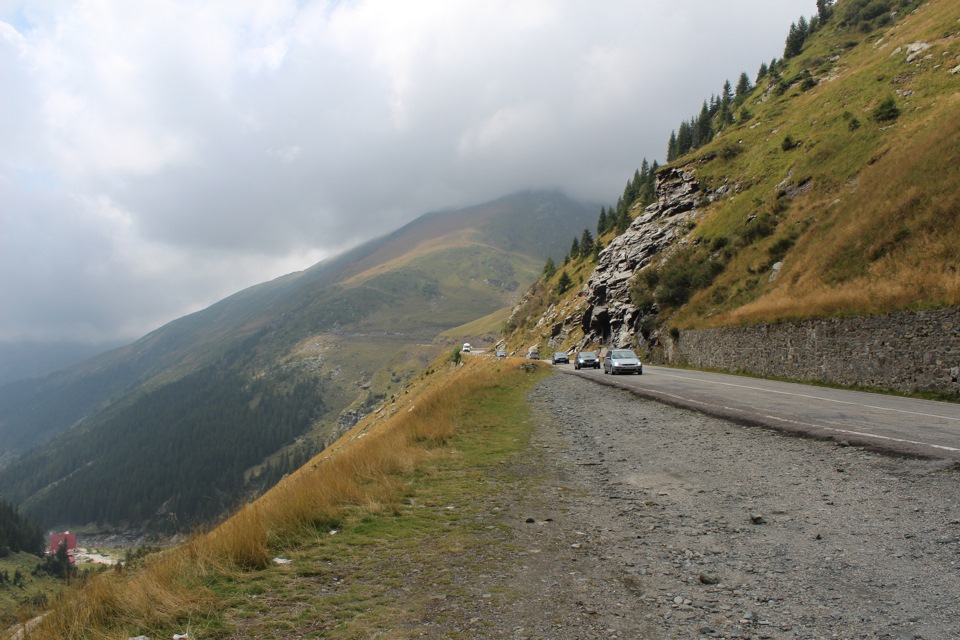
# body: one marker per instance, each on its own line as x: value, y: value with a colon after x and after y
x: 365, y: 468
x: 457, y: 238
x: 889, y: 242
x: 113, y: 600
x: 879, y: 228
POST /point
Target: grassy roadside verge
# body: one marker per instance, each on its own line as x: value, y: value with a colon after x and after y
x: 371, y: 528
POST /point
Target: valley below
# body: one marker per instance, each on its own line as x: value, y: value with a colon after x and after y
x: 636, y: 519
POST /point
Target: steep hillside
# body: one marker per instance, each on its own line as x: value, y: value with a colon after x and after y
x: 182, y: 424
x: 390, y: 505
x: 832, y: 189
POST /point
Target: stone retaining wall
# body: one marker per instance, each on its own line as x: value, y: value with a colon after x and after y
x: 903, y: 351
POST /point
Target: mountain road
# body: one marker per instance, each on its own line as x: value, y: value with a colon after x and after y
x: 896, y: 424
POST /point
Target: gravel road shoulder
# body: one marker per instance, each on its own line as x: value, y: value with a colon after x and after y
x: 651, y: 521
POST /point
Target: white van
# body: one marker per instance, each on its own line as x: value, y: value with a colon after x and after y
x: 466, y: 347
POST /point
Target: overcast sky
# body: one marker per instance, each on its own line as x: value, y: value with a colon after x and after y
x: 156, y: 157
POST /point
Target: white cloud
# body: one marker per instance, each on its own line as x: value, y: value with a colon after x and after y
x: 158, y: 156
x: 286, y: 154
x: 504, y: 127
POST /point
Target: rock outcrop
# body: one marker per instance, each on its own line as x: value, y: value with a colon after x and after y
x: 610, y: 317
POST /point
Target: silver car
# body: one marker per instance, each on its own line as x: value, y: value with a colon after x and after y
x: 586, y: 359
x: 622, y: 361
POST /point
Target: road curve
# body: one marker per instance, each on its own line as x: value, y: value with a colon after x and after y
x: 894, y: 424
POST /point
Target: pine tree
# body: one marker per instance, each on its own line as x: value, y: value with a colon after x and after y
x: 725, y: 114
x: 684, y: 139
x: 564, y: 283
x: 648, y: 175
x: 16, y: 533
x: 586, y: 244
x: 635, y: 185
x: 743, y: 88
x: 726, y: 96
x: 549, y: 269
x: 824, y: 10
x: 574, y: 248
x: 672, y: 147
x: 704, y: 132
x: 794, y: 41
x: 623, y: 221
x: 773, y: 76
x: 602, y: 222
x: 762, y: 72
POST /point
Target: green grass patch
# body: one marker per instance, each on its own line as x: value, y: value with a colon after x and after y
x: 22, y: 601
x: 382, y: 571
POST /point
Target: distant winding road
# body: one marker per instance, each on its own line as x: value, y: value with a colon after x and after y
x: 891, y: 423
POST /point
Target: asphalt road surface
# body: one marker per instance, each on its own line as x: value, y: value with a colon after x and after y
x: 889, y: 423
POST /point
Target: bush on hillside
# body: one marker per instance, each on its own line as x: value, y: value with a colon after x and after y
x: 719, y: 243
x: 885, y: 111
x: 869, y: 14
x: 852, y: 123
x: 683, y: 275
x: 642, y: 299
x: 731, y: 150
x: 778, y: 250
x: 756, y: 228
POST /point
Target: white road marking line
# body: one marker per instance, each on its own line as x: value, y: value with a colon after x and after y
x: 815, y: 426
x: 811, y: 397
x: 865, y: 435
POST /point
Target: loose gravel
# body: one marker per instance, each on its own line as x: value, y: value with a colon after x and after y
x: 642, y: 520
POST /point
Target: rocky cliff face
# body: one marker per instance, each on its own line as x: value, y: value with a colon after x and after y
x: 603, y: 309
x: 611, y: 317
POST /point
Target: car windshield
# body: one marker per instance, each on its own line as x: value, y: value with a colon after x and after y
x: 623, y: 354
x: 587, y: 354
x: 559, y: 354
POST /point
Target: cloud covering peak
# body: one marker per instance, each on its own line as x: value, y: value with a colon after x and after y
x: 160, y: 156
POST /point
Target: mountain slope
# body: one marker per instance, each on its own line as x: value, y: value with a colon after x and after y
x: 268, y: 375
x: 833, y: 190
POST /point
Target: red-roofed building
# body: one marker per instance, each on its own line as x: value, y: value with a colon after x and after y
x: 66, y: 538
